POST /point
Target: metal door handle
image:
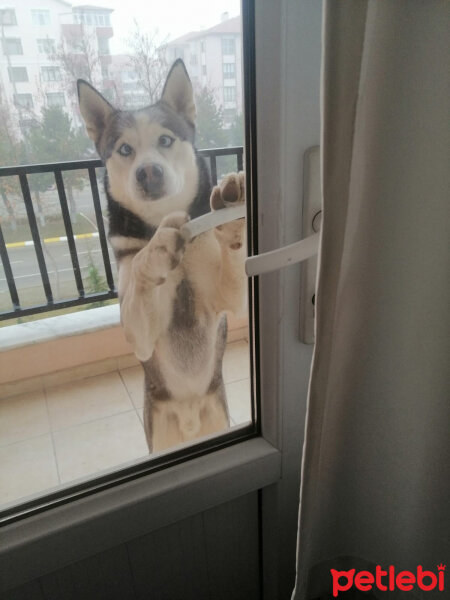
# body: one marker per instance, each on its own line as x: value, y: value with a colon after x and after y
x: 261, y: 263
x: 282, y: 257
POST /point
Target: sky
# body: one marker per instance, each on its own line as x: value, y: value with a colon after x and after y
x: 170, y: 17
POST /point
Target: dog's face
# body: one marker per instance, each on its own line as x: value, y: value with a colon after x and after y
x: 148, y: 153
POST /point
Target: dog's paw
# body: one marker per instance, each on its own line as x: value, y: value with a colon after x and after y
x: 230, y: 192
x: 166, y: 248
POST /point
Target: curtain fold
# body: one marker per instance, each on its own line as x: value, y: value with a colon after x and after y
x: 376, y: 463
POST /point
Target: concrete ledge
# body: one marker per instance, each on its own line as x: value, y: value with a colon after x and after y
x: 59, y: 343
x: 40, y: 354
x: 62, y: 326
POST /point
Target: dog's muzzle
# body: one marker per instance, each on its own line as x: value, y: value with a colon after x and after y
x: 151, y: 180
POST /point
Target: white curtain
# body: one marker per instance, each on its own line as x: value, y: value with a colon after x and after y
x: 376, y: 465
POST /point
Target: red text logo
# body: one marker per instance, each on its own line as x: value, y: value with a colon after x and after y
x: 388, y: 580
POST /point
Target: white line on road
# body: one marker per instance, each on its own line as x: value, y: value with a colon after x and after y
x: 80, y: 253
x: 49, y: 272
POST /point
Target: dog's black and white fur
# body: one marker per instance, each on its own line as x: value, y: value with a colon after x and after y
x: 173, y: 295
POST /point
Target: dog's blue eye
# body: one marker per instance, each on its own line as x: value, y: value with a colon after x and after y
x: 125, y: 150
x: 166, y: 141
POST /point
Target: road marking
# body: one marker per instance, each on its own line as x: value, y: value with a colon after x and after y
x: 63, y: 238
x: 86, y: 252
x: 50, y: 272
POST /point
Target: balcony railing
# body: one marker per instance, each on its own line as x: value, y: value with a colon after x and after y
x: 37, y: 243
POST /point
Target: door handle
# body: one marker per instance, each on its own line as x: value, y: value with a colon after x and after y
x: 304, y: 250
x: 282, y: 257
x: 260, y: 263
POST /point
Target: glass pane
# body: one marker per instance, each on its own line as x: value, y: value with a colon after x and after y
x: 168, y: 366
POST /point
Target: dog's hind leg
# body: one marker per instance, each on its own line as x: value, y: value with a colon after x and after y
x: 166, y: 431
x: 214, y: 417
x: 176, y: 422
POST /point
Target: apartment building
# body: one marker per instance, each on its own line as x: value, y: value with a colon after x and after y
x: 31, y: 33
x: 213, y: 58
x: 126, y: 85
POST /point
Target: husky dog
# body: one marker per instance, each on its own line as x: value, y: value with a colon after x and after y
x: 173, y: 294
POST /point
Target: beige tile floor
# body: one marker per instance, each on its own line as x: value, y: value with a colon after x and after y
x: 76, y: 429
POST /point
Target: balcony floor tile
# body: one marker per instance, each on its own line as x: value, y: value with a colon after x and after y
x: 133, y: 378
x: 238, y: 397
x: 236, y: 362
x: 76, y: 429
x: 83, y: 401
x: 23, y: 417
x: 103, y: 444
x: 26, y: 468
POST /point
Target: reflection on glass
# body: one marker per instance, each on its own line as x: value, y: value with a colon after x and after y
x: 96, y: 394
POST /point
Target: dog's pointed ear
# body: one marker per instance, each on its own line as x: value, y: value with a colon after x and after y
x: 94, y: 109
x: 178, y: 92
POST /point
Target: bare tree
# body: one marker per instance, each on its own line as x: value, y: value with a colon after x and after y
x: 78, y: 57
x: 147, y: 59
x: 10, y: 154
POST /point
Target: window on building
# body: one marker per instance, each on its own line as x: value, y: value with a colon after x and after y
x: 26, y: 125
x: 228, y: 46
x: 50, y: 74
x: 229, y: 114
x: 75, y: 45
x: 131, y: 86
x: 8, y: 16
x: 108, y: 94
x: 17, y: 74
x: 84, y: 72
x: 179, y: 53
x: 129, y: 75
x: 101, y: 20
x: 40, y: 17
x: 105, y: 71
x: 202, y: 46
x: 23, y: 101
x: 12, y: 46
x: 229, y: 93
x: 229, y: 71
x: 203, y: 69
x: 194, y: 60
x: 46, y: 46
x: 103, y: 45
x: 55, y: 99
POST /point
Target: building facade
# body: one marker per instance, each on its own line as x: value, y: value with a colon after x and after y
x: 45, y: 46
x: 213, y: 58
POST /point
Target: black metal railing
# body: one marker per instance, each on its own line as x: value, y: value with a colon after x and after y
x: 58, y: 169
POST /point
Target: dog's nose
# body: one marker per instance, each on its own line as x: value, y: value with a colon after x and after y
x: 150, y: 178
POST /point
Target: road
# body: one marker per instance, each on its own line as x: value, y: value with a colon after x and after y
x: 59, y: 265
x: 57, y: 256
